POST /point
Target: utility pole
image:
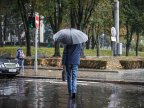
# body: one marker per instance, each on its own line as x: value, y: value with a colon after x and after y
x: 116, y: 22
x: 116, y: 18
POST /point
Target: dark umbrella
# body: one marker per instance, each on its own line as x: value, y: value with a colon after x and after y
x: 70, y: 36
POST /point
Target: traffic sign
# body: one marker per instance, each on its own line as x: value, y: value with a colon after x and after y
x: 36, y: 21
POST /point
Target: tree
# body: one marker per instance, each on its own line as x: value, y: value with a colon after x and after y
x: 56, y: 21
x: 53, y: 10
x: 26, y: 10
x: 3, y: 16
x: 100, y: 23
x: 131, y: 16
x: 81, y: 12
x: 139, y: 24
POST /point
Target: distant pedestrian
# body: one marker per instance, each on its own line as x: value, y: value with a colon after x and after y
x: 20, y: 59
x: 71, y: 60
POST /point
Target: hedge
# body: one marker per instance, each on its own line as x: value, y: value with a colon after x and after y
x: 132, y: 64
x: 84, y: 63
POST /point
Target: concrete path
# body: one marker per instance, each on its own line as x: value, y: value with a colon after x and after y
x: 135, y: 76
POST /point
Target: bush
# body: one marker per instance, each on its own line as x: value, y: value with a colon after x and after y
x: 96, y: 64
x: 132, y: 64
x: 84, y: 63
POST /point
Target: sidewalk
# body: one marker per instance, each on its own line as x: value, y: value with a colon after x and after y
x: 135, y: 76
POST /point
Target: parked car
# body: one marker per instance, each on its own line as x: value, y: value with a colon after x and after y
x: 9, y: 67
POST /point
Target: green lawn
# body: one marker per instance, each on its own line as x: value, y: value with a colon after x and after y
x: 50, y: 51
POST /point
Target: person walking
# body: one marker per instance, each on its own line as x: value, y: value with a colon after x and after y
x: 20, y: 59
x: 71, y: 60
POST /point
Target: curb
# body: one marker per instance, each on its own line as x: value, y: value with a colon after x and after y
x: 86, y: 79
x: 102, y: 75
x: 112, y: 81
x: 80, y: 69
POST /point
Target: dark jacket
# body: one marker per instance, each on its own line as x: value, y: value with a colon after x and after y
x: 72, y: 54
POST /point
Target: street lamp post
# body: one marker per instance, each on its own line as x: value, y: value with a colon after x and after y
x: 116, y: 18
x: 116, y: 21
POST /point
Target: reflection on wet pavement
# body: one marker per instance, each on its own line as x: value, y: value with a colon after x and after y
x: 44, y: 93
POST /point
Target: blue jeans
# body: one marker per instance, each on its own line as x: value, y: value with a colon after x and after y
x: 21, y: 63
x: 72, y: 71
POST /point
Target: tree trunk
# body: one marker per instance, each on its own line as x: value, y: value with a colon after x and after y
x: 57, y: 50
x: 1, y: 36
x: 97, y: 46
x: 89, y: 39
x: 137, y: 43
x: 24, y: 17
x: 19, y: 36
x: 96, y: 40
x: 93, y: 37
x: 4, y: 29
x: 72, y: 19
x: 56, y: 21
x: 128, y: 38
x: 28, y: 53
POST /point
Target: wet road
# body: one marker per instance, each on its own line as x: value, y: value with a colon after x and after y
x: 44, y: 93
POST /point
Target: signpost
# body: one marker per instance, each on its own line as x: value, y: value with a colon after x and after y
x: 36, y: 39
x: 37, y: 21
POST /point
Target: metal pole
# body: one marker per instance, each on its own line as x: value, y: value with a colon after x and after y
x: 116, y: 20
x: 36, y: 40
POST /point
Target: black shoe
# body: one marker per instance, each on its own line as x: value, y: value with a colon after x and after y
x: 73, y: 95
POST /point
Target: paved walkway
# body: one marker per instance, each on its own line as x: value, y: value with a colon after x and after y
x: 135, y: 76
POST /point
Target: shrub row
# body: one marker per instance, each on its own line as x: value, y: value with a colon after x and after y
x: 97, y: 64
x: 84, y: 63
x: 87, y: 63
x: 132, y: 64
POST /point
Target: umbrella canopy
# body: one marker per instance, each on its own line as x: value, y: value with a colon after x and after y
x: 70, y: 36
